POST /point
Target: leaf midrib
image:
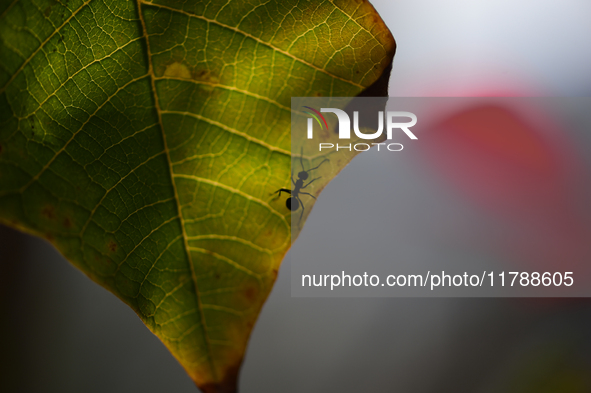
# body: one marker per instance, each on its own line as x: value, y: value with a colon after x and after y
x: 176, y: 195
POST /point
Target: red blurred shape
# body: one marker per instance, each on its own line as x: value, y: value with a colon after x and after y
x: 508, y: 166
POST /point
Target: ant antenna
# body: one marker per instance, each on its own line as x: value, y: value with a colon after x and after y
x: 302, y: 161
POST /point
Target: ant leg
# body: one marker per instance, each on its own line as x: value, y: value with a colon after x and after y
x: 302, y: 213
x: 280, y: 191
x: 305, y: 193
x: 312, y: 181
x: 293, y: 181
x: 323, y: 161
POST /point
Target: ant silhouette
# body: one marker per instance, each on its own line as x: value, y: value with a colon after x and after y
x: 294, y: 201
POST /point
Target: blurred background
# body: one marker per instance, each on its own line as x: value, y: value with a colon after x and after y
x: 63, y: 333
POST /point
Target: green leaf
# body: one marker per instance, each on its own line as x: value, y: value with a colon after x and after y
x: 143, y: 140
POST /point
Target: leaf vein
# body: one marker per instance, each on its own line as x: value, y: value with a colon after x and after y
x: 267, y: 44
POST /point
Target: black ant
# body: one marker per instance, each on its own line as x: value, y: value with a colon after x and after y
x: 294, y: 201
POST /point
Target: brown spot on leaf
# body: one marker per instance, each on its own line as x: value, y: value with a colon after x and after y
x: 181, y: 70
x: 0, y: 148
x: 67, y: 222
x: 112, y: 246
x: 208, y: 78
x: 205, y: 76
x: 251, y: 294
x: 48, y: 212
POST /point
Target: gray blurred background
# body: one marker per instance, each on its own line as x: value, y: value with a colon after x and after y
x: 62, y: 333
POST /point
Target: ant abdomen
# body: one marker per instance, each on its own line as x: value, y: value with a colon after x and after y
x: 292, y: 204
